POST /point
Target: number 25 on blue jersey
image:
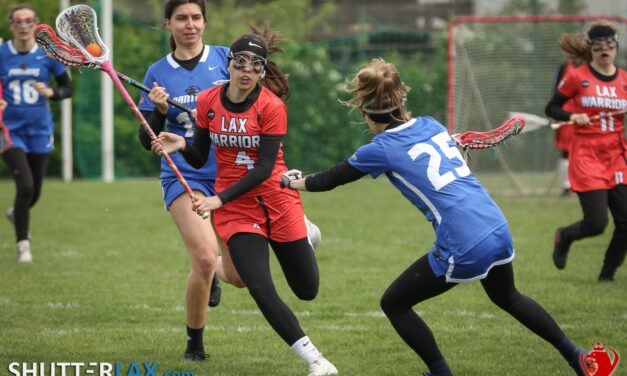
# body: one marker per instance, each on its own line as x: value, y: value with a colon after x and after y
x: 440, y: 155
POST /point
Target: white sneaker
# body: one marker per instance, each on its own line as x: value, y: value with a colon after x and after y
x: 23, y: 251
x: 313, y: 232
x: 9, y: 215
x: 322, y: 367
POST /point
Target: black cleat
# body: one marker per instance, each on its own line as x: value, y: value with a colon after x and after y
x: 560, y: 250
x: 216, y: 292
x: 195, y: 355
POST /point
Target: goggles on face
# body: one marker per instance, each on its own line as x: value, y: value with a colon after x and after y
x: 598, y: 44
x: 240, y: 60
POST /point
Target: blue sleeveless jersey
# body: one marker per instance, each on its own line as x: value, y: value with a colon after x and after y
x: 184, y: 87
x: 421, y: 160
x: 27, y: 112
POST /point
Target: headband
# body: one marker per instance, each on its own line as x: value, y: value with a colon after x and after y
x: 250, y: 45
x: 384, y: 110
x: 601, y: 31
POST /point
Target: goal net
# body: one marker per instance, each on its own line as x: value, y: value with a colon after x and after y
x: 503, y: 64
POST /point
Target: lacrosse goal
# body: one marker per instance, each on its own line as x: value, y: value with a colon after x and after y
x: 503, y: 64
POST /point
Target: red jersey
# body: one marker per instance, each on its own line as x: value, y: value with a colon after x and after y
x: 236, y: 136
x: 593, y: 95
x: 598, y: 153
x: 275, y: 213
x: 564, y: 135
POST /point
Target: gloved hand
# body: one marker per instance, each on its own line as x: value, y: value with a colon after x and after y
x: 287, y: 177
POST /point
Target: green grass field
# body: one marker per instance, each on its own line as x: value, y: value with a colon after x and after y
x: 109, y: 272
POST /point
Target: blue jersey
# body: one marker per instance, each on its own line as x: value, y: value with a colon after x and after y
x: 421, y: 160
x: 184, y: 86
x: 27, y: 111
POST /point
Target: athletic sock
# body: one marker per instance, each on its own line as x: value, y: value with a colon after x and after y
x: 306, y: 350
x: 440, y: 368
x: 195, y: 339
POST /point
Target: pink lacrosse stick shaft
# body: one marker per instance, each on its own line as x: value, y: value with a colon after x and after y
x: 108, y: 68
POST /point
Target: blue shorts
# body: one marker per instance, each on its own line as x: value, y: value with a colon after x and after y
x: 35, y: 144
x: 172, y: 188
x: 496, y: 249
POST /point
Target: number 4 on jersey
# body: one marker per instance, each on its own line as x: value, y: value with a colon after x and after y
x: 244, y: 159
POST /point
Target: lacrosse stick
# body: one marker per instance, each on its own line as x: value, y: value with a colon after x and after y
x: 532, y: 122
x: 57, y: 49
x: 5, y: 138
x: 592, y: 118
x: 488, y: 139
x: 77, y: 25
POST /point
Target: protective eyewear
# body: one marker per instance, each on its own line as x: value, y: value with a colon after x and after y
x: 257, y: 63
x: 598, y: 45
x: 23, y: 21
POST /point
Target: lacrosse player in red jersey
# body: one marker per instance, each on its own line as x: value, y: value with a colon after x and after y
x: 26, y: 71
x: 598, y: 154
x: 473, y: 241
x: 246, y: 123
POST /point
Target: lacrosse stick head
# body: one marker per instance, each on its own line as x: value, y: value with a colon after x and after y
x: 78, y: 26
x: 57, y: 49
x: 488, y: 139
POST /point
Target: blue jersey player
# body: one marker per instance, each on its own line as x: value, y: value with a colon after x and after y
x: 473, y: 241
x: 182, y: 75
x: 26, y: 71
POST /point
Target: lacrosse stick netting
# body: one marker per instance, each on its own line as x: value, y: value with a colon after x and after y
x: 77, y: 25
x: 57, y: 49
x: 491, y: 138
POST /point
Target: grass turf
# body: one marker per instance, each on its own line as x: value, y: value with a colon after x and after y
x: 109, y: 273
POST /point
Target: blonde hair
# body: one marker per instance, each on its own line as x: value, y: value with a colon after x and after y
x: 377, y: 87
x: 575, y: 46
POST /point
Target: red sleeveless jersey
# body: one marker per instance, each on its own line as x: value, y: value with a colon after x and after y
x: 594, y: 96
